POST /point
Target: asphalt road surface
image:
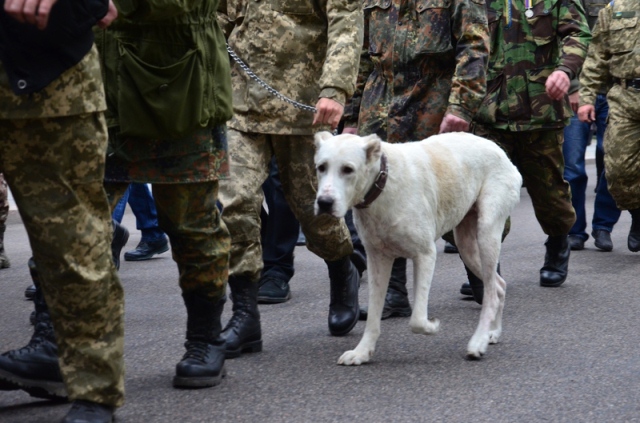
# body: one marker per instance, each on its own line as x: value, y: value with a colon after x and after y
x: 567, y: 354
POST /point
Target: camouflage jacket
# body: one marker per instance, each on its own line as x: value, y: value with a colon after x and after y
x: 305, y: 49
x: 420, y: 59
x: 593, y: 7
x: 166, y: 70
x: 614, y: 51
x: 526, y: 47
x: 78, y: 90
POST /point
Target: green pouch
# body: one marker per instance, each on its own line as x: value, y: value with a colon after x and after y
x: 157, y: 101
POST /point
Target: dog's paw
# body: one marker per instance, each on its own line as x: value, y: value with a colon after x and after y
x: 494, y: 336
x: 477, y: 347
x: 353, y: 358
x: 425, y: 327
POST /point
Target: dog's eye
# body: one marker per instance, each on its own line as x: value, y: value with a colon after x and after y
x: 348, y: 170
x: 321, y: 168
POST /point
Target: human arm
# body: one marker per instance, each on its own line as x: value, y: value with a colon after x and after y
x: 595, y: 74
x: 111, y: 15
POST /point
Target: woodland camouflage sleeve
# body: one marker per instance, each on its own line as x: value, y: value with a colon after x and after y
x: 470, y: 30
x: 345, y: 35
x: 573, y: 30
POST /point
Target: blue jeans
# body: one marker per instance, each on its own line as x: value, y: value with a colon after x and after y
x: 144, y: 208
x: 576, y: 139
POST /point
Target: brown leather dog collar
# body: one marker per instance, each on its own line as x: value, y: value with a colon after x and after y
x: 378, y: 185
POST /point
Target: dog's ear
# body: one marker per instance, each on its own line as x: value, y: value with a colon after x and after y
x: 372, y: 147
x: 320, y: 137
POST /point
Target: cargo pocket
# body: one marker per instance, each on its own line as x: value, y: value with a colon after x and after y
x: 542, y: 22
x: 623, y: 38
x: 542, y: 108
x: 162, y: 102
x: 378, y: 12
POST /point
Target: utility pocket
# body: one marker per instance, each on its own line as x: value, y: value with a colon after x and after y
x: 162, y: 101
x: 624, y: 32
x: 541, y: 22
x: 542, y: 109
x: 378, y: 12
x: 434, y: 34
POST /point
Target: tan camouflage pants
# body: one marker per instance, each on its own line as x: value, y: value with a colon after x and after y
x: 538, y: 157
x: 622, y: 147
x: 241, y: 196
x: 200, y: 242
x: 55, y: 169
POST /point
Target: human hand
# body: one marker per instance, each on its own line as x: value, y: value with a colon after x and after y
x: 34, y: 12
x: 587, y: 113
x: 453, y: 123
x: 574, y: 101
x: 328, y: 112
x: 350, y: 130
x: 111, y: 15
x: 557, y: 85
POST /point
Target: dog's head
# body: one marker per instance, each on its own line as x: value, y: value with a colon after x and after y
x: 346, y: 166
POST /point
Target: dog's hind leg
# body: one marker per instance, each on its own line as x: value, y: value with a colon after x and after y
x: 379, y: 269
x: 489, y: 327
x: 423, y: 267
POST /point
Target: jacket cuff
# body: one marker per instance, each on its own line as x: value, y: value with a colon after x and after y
x: 334, y: 94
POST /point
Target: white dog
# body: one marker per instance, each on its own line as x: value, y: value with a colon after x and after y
x: 405, y: 197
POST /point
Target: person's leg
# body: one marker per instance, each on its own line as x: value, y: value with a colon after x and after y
x: 153, y: 240
x: 4, y: 214
x: 121, y: 206
x: 241, y: 196
x: 541, y: 163
x: 200, y: 242
x: 280, y: 234
x: 605, y: 215
x: 576, y: 139
x: 602, y: 113
x: 326, y: 236
x: 79, y: 281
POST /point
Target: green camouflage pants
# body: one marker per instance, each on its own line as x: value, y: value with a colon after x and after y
x: 55, y: 169
x: 200, y: 242
x: 4, y: 201
x: 622, y: 147
x: 242, y: 197
x: 538, y: 157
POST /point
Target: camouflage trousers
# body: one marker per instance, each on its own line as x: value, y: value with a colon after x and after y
x: 199, y: 239
x: 538, y: 157
x: 622, y: 147
x: 55, y: 169
x: 242, y: 197
x: 4, y: 201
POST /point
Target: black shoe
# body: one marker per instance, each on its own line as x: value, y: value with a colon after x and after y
x: 344, y: 281
x: 633, y: 240
x: 556, y: 261
x: 602, y: 239
x: 243, y: 334
x: 576, y: 243
x: 449, y: 248
x: 465, y: 289
x: 359, y: 260
x: 273, y: 291
x: 202, y: 366
x: 30, y: 292
x: 147, y: 249
x: 89, y: 412
x: 120, y: 238
x: 396, y: 301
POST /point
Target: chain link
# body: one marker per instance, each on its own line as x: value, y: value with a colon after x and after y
x: 266, y: 86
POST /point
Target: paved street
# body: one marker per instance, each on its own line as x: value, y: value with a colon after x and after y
x: 567, y: 354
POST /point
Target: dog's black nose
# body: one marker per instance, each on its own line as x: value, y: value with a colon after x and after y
x: 325, y: 204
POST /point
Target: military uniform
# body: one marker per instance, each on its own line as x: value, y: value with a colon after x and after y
x: 151, y: 64
x: 4, y: 214
x: 527, y: 45
x: 420, y: 60
x: 614, y: 57
x: 52, y: 149
x: 319, y: 61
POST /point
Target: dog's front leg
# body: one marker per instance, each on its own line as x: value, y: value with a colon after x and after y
x: 379, y: 268
x: 423, y: 267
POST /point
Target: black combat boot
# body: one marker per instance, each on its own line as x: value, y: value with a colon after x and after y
x: 556, y: 261
x: 633, y: 240
x: 34, y: 368
x: 474, y: 287
x: 396, y: 302
x: 344, y: 281
x: 4, y: 260
x: 89, y: 412
x: 242, y: 333
x: 202, y: 365
x: 119, y: 240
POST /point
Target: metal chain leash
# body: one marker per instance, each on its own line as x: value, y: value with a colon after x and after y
x: 266, y: 86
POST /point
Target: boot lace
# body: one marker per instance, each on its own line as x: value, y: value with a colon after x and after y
x: 196, y: 350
